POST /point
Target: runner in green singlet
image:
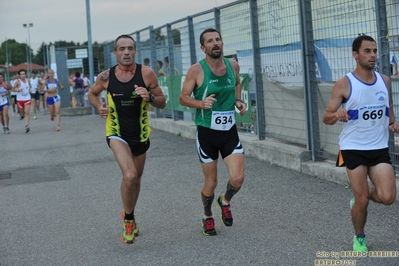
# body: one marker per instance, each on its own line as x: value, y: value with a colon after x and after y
x: 215, y: 84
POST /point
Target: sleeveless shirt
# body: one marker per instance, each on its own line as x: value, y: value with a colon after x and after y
x: 23, y: 95
x: 3, y: 94
x: 52, y: 85
x: 127, y: 112
x: 34, y: 82
x: 222, y: 114
x: 368, y: 108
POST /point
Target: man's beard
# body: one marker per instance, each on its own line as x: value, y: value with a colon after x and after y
x: 215, y: 56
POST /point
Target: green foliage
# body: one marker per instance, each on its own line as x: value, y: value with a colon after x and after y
x: 16, y: 52
x: 160, y: 38
x: 41, y: 57
x: 176, y: 36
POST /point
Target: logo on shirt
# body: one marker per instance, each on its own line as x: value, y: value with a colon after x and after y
x: 127, y: 102
x: 381, y: 96
x: 134, y: 94
x: 213, y: 80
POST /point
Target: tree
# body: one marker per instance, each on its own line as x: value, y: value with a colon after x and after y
x: 41, y: 57
x: 176, y: 36
x: 16, y: 52
x: 159, y: 36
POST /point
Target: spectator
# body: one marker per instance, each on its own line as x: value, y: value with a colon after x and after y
x: 160, y: 71
x: 78, y: 90
x: 166, y: 59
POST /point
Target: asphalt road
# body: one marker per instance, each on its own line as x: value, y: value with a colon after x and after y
x: 61, y: 207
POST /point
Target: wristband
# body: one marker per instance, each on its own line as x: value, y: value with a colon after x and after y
x: 391, y: 123
x: 151, y: 97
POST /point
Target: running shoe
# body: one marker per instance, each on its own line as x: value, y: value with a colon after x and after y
x: 208, y: 226
x: 7, y: 131
x: 226, y: 217
x: 52, y: 118
x: 27, y: 129
x: 352, y: 202
x: 359, y: 244
x: 22, y: 117
x: 135, y: 227
x: 58, y: 129
x: 34, y: 117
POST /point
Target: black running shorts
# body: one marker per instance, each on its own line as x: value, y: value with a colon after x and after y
x: 210, y: 142
x: 137, y: 148
x: 354, y: 158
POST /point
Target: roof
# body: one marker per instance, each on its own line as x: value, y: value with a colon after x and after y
x: 23, y: 66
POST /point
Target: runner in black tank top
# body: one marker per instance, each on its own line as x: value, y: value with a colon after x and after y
x: 131, y: 88
x: 127, y: 112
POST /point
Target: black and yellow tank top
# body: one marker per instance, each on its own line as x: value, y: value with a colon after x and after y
x: 127, y: 112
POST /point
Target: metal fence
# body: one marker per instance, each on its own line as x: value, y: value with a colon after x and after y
x: 291, y: 51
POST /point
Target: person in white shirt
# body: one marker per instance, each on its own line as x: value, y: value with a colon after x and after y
x: 22, y: 87
x: 34, y: 94
x: 4, y: 104
x: 14, y: 95
x: 362, y: 101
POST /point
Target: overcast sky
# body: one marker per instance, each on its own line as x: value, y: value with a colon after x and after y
x: 65, y: 20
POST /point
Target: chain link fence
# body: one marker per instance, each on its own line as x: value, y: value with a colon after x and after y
x: 291, y: 52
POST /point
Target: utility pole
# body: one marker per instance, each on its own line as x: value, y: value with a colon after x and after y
x: 29, y: 56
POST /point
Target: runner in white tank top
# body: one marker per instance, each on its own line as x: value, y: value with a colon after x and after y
x: 22, y: 87
x: 35, y: 94
x: 368, y: 108
x: 362, y: 102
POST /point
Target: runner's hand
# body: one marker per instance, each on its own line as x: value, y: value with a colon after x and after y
x: 103, y: 110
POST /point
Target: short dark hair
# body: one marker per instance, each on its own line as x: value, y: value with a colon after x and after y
x: 34, y: 72
x: 21, y: 70
x: 77, y: 74
x: 166, y: 59
x: 206, y: 31
x: 358, y: 42
x: 146, y: 60
x: 160, y: 62
x: 124, y: 36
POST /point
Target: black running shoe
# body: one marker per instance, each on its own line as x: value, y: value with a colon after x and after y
x: 208, y: 226
x: 226, y: 217
x: 22, y: 117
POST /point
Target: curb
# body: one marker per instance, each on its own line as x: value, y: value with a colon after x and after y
x: 273, y: 151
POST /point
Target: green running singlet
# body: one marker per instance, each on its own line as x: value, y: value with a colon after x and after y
x: 222, y: 115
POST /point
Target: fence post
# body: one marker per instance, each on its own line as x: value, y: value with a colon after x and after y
x: 260, y: 99
x: 171, y: 56
x: 63, y: 76
x: 138, y: 47
x: 153, y: 48
x: 384, y: 64
x: 310, y: 81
